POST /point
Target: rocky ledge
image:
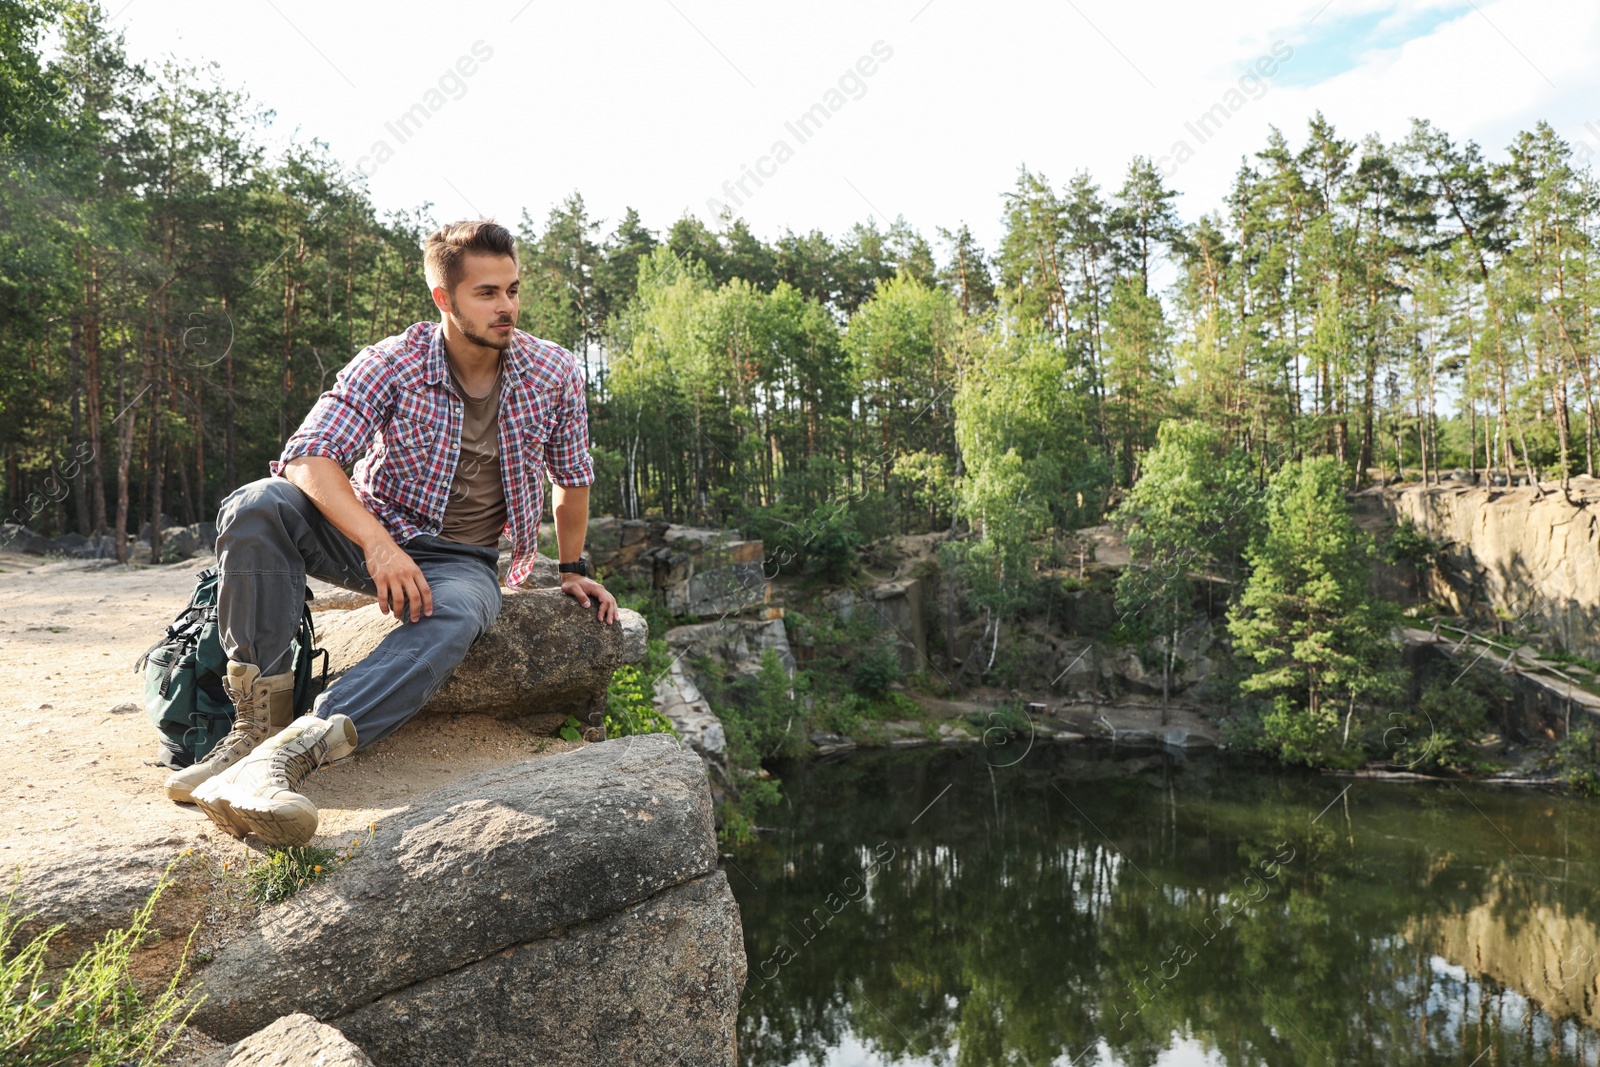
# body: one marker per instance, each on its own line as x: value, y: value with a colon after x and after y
x: 545, y: 657
x: 562, y: 910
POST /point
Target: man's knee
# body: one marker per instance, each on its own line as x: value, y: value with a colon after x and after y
x: 470, y: 607
x: 265, y: 501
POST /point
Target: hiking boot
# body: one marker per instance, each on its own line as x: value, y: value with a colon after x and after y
x: 263, y: 705
x: 258, y: 794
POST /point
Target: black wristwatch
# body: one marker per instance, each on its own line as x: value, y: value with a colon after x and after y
x: 577, y: 566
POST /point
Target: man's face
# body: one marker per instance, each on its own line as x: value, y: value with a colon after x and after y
x: 484, y: 305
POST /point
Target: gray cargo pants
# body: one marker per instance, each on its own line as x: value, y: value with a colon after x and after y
x: 270, y: 536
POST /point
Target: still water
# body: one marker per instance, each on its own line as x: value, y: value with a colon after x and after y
x: 1094, y: 906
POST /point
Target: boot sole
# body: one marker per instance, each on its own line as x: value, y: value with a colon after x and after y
x: 280, y: 825
x: 219, y: 809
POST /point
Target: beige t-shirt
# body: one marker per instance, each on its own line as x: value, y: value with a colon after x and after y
x: 476, y: 511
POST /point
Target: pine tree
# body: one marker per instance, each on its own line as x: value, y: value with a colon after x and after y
x: 1319, y: 642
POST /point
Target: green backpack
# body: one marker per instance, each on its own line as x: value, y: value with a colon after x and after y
x: 183, y: 673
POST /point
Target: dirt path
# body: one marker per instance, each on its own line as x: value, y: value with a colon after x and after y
x: 74, y: 768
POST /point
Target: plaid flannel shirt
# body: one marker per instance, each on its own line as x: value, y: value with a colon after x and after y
x: 394, y: 402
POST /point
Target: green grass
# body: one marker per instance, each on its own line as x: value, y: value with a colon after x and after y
x: 279, y: 873
x: 286, y: 871
x: 92, y: 1015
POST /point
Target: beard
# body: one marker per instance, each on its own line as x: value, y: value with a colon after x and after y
x: 486, y: 340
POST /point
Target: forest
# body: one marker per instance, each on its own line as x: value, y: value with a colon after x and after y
x: 173, y: 297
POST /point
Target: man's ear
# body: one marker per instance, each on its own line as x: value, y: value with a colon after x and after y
x: 441, y: 299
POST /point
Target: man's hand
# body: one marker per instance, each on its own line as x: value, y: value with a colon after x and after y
x: 576, y: 585
x: 399, y: 580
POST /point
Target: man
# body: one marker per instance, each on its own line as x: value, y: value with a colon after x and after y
x: 458, y: 419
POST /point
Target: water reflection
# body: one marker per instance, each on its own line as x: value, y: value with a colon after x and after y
x: 1091, y: 907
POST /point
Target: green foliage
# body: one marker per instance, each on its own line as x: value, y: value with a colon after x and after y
x: 93, y: 1014
x: 763, y: 722
x: 1578, y: 763
x: 741, y: 812
x: 1443, y: 731
x: 877, y: 670
x: 1024, y: 437
x: 843, y: 715
x: 1192, y: 510
x: 1409, y: 546
x: 629, y: 709
x: 286, y: 871
x: 571, y: 730
x: 1008, y: 717
x: 1318, y: 646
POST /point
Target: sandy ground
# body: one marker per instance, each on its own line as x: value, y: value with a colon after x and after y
x: 76, y: 766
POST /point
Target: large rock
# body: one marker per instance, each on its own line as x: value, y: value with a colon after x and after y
x: 54, y: 891
x: 896, y: 608
x: 546, y: 657
x: 292, y: 1041
x: 15, y: 537
x: 736, y: 643
x: 1510, y: 553
x: 472, y: 876
x: 680, y: 700
x: 179, y: 543
x: 698, y: 571
x: 657, y: 983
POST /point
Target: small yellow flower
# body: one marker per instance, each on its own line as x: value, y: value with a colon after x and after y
x: 318, y: 868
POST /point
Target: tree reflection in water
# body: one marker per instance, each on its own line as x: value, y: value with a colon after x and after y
x: 1090, y: 906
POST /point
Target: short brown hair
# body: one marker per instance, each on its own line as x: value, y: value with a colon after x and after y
x: 445, y: 247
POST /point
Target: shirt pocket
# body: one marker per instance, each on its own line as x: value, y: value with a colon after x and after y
x: 408, y: 447
x: 534, y: 437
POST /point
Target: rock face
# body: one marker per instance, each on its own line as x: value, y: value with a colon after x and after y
x: 1512, y: 552
x: 546, y: 657
x: 679, y: 699
x: 736, y: 643
x: 562, y: 910
x: 292, y: 1041
x: 895, y: 608
x: 698, y: 571
x: 652, y: 984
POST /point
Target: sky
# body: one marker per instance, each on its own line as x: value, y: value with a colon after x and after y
x: 920, y: 108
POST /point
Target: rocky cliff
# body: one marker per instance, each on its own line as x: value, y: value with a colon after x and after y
x: 1510, y: 554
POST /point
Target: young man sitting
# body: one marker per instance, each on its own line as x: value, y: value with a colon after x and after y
x: 459, y: 420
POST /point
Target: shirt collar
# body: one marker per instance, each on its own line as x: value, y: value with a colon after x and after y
x: 518, y: 361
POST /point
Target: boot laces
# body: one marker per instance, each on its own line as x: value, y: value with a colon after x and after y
x: 240, y: 740
x: 289, y: 768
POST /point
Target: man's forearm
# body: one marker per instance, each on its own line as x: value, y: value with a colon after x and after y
x: 571, y: 508
x: 325, y: 482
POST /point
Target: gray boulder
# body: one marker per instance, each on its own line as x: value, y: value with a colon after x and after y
x: 656, y: 984
x: 546, y: 657
x: 471, y: 878
x: 292, y: 1041
x: 54, y: 890
x: 15, y: 537
x: 736, y: 643
x: 178, y: 543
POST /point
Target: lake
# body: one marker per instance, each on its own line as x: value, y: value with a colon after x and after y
x: 1078, y: 904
